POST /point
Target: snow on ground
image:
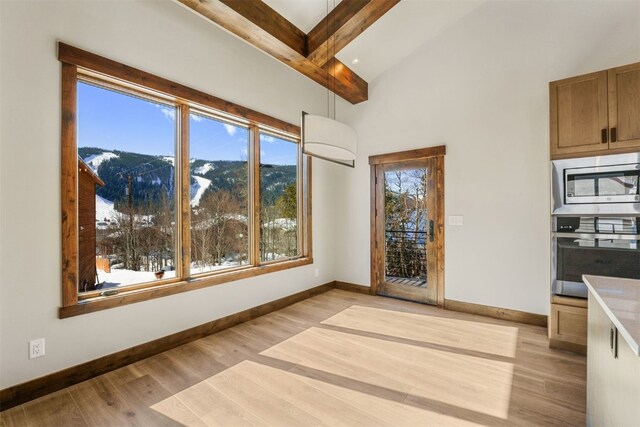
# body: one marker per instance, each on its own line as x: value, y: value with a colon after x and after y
x: 201, y: 170
x: 198, y: 189
x: 96, y: 159
x: 282, y: 223
x: 118, y: 277
x: 197, y: 269
x: 104, y: 209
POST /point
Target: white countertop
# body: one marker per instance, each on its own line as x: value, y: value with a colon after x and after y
x: 620, y: 299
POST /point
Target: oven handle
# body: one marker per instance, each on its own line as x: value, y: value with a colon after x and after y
x: 598, y: 236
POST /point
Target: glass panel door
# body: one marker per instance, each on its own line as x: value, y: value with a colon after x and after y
x: 406, y: 208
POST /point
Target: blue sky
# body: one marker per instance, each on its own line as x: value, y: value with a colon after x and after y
x: 113, y: 121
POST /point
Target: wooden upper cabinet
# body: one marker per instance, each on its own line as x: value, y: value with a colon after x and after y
x: 578, y: 114
x: 624, y: 106
x: 595, y: 114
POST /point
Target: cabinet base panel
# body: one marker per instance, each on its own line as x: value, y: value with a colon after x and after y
x: 568, y: 346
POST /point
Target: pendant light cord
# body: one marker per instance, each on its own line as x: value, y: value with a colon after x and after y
x: 331, y: 70
x: 334, y: 68
x: 327, y: 61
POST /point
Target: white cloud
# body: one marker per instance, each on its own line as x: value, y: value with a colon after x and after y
x: 268, y: 138
x: 231, y: 130
x: 195, y: 117
x: 169, y: 113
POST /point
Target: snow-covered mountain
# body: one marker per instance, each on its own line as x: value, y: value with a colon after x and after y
x: 95, y: 160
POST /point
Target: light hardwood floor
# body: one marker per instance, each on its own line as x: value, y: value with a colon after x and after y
x: 337, y: 359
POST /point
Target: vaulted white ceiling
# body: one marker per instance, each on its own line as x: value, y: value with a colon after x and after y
x: 404, y: 28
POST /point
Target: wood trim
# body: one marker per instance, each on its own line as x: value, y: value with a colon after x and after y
x: 618, y: 150
x: 432, y: 247
x: 308, y: 216
x: 254, y: 209
x: 185, y: 196
x: 21, y: 393
x: 496, y: 312
x: 574, y: 302
x: 420, y: 153
x: 377, y: 224
x: 342, y: 25
x: 125, y: 298
x: 440, y: 228
x: 259, y: 13
x: 352, y: 287
x: 81, y: 58
x: 69, y: 186
x: 219, y: 13
x: 373, y: 238
x: 567, y: 346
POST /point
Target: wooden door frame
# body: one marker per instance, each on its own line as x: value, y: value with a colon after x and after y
x: 401, y: 157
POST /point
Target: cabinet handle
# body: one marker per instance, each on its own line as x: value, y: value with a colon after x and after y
x: 604, y: 136
x: 614, y: 135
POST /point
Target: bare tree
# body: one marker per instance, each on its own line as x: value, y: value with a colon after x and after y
x: 218, y: 228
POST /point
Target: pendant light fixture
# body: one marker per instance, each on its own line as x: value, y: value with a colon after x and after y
x: 325, y: 137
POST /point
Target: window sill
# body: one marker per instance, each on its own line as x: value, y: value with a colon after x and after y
x: 138, y: 295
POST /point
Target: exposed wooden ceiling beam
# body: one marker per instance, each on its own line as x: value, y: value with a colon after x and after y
x: 259, y: 25
x: 343, y: 24
x: 262, y: 15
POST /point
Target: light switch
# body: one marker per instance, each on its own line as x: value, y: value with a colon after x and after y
x: 456, y: 220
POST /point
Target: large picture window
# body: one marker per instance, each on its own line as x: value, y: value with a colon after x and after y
x: 167, y: 189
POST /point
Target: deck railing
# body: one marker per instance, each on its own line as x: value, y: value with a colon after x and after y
x: 406, y: 254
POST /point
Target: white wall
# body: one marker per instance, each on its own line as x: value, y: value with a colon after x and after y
x: 481, y: 89
x: 163, y: 38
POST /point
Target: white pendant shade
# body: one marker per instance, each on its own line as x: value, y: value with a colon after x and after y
x: 328, y: 139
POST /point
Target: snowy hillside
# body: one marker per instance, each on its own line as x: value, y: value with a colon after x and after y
x: 198, y: 188
x: 202, y: 170
x: 104, y: 209
x: 96, y: 159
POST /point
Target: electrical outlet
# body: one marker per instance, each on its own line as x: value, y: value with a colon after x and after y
x: 317, y: 272
x: 36, y: 348
x: 456, y: 220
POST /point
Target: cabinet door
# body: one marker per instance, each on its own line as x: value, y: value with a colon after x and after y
x: 624, y: 106
x: 578, y: 114
x: 568, y: 324
x: 613, y: 384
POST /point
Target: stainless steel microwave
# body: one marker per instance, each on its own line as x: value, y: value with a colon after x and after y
x: 597, y: 185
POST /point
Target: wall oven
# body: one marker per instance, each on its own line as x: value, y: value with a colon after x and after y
x: 597, y: 185
x: 604, y: 246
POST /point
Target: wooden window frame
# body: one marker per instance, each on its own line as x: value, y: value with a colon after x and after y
x: 78, y: 65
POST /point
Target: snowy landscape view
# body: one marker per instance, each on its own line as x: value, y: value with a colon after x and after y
x: 126, y: 149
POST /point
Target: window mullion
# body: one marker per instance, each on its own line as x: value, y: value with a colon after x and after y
x: 183, y: 178
x: 254, y: 192
x: 300, y: 201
